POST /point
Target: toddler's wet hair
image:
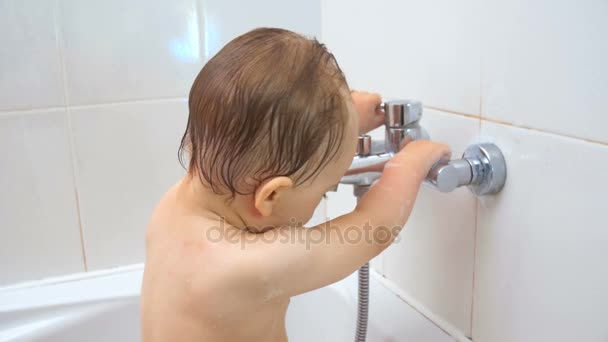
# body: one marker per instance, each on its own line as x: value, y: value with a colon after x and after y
x: 270, y: 103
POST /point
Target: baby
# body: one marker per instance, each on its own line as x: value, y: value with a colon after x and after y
x: 273, y: 126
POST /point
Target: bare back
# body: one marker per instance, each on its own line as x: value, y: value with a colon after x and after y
x: 196, y: 290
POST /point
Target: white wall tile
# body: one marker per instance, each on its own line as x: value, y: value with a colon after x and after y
x: 340, y: 202
x: 544, y: 65
x: 126, y: 160
x: 118, y: 50
x: 432, y: 259
x: 377, y: 263
x: 541, y: 244
x: 224, y: 20
x: 30, y: 74
x: 425, y: 50
x: 39, y: 231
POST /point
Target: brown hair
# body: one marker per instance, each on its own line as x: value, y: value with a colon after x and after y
x: 270, y: 103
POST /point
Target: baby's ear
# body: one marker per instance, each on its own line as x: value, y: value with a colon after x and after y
x: 267, y: 194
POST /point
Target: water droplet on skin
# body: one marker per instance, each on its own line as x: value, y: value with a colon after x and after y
x: 273, y: 292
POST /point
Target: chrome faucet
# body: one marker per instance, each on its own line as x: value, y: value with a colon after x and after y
x: 482, y: 167
x: 402, y: 123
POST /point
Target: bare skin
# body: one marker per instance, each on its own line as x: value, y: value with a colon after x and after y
x: 203, y: 283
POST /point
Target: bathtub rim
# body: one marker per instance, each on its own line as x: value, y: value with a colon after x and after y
x: 8, y: 303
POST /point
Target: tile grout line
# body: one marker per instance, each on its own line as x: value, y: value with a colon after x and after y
x: 29, y: 111
x: 34, y: 110
x: 481, y: 92
x: 201, y: 30
x: 481, y: 97
x: 475, y: 229
x: 538, y: 130
x: 476, y: 222
x: 130, y: 101
x: 505, y: 123
x: 80, y: 225
x: 436, y: 320
x: 59, y: 43
x: 25, y: 111
x: 448, y: 111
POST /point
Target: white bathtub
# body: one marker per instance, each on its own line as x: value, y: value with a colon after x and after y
x: 103, y: 306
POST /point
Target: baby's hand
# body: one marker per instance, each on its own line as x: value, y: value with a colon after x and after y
x: 368, y: 106
x: 422, y: 155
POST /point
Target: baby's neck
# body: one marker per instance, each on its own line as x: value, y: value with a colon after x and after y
x: 204, y: 202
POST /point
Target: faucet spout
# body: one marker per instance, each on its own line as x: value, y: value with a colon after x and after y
x: 402, y: 124
x: 364, y: 170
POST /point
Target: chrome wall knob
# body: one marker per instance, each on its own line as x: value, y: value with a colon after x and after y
x: 489, y: 168
x: 482, y: 169
x: 447, y: 177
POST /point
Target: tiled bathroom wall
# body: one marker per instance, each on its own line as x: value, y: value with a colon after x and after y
x: 530, y: 263
x: 93, y: 103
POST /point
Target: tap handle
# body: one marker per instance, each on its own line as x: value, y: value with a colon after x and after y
x: 399, y: 113
x: 482, y: 168
x: 364, y: 145
x: 446, y: 177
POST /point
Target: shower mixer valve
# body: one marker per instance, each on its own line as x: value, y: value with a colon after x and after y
x: 482, y: 167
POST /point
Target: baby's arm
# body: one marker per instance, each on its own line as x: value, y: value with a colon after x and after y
x: 333, y: 250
